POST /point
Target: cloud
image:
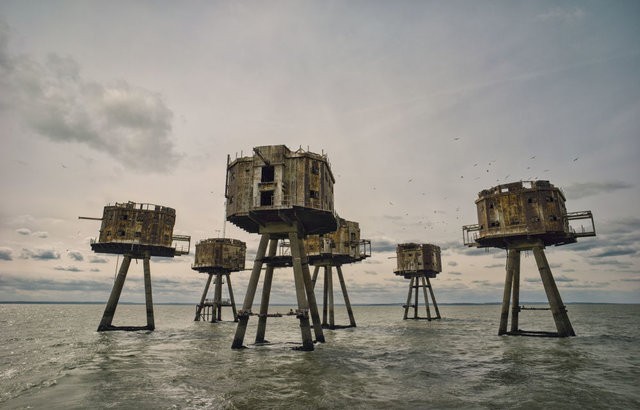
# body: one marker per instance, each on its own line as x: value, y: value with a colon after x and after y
x: 615, y: 251
x: 585, y: 189
x: 562, y: 15
x: 75, y: 255
x: 98, y: 259
x: 5, y: 254
x: 455, y: 273
x: 129, y: 123
x: 383, y: 245
x: 39, y: 254
x: 452, y: 263
x: 68, y: 268
x: 24, y: 231
x: 41, y: 234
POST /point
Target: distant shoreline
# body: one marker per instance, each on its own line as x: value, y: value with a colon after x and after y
x: 293, y: 304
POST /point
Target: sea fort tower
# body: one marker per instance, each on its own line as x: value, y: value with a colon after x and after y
x: 419, y: 263
x: 137, y: 231
x: 527, y: 216
x: 281, y: 194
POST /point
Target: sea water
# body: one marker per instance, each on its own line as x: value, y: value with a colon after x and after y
x: 52, y: 357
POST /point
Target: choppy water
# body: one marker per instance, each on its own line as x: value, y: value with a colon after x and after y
x: 51, y: 357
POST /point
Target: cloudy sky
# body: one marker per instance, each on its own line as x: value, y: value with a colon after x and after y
x: 418, y: 104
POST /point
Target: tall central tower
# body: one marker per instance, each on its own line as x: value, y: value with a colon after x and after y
x: 281, y: 194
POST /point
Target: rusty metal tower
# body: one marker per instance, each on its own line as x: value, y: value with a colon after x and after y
x: 523, y: 216
x: 136, y: 231
x: 335, y: 249
x: 218, y: 257
x: 419, y: 263
x: 281, y: 194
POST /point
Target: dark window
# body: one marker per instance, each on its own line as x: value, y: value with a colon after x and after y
x: 268, y: 174
x: 266, y: 198
x: 121, y: 232
x: 124, y: 217
x: 314, y: 194
x: 315, y: 168
x: 549, y: 199
x: 138, y: 234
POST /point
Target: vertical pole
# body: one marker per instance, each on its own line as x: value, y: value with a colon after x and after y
x: 243, y: 315
x: 231, y: 299
x: 426, y: 298
x: 332, y: 323
x: 147, y: 292
x: 563, y: 325
x: 301, y: 293
x: 325, y: 296
x: 508, y: 282
x: 217, y: 300
x: 515, y: 296
x: 311, y: 296
x: 415, y: 304
x: 315, y: 275
x: 114, y: 297
x: 266, y: 294
x: 352, y: 320
x: 433, y: 299
x: 203, y: 298
x: 406, y: 306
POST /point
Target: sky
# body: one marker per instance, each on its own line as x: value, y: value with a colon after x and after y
x: 419, y: 105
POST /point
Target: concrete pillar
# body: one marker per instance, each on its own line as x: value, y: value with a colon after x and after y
x: 217, y: 299
x: 231, y: 299
x: 515, y: 296
x: 243, y: 316
x: 426, y: 298
x: 147, y: 292
x: 563, y: 325
x: 266, y: 293
x: 114, y: 297
x: 311, y: 296
x: 406, y: 306
x: 203, y: 298
x: 301, y: 293
x: 416, y: 285
x: 352, y: 320
x: 329, y: 290
x: 315, y: 276
x: 325, y: 296
x: 506, y: 295
x: 433, y: 299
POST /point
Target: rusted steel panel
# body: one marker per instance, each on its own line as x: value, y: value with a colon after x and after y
x: 140, y: 223
x: 344, y: 244
x: 220, y: 253
x: 415, y: 259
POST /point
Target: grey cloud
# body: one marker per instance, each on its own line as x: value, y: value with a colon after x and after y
x: 5, y: 254
x: 98, y: 259
x: 454, y: 273
x: 75, y: 255
x: 382, y: 245
x: 24, y: 231
x: 28, y: 284
x: 615, y: 251
x: 68, y: 268
x: 131, y: 124
x: 40, y: 254
x: 41, y: 234
x: 585, y: 189
x: 452, y: 263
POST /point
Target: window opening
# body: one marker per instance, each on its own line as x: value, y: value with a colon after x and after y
x: 268, y: 174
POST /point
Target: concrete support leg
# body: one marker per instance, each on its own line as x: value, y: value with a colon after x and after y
x: 266, y: 294
x: 332, y: 323
x: 147, y: 293
x: 315, y: 276
x: 217, y: 299
x: 243, y: 315
x: 231, y: 299
x: 311, y: 296
x: 426, y: 298
x: 515, y: 295
x: 416, y: 286
x: 325, y: 297
x: 406, y: 306
x: 203, y: 298
x: 343, y: 286
x: 563, y: 325
x: 433, y: 299
x: 112, y: 303
x: 506, y: 295
x: 301, y: 293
